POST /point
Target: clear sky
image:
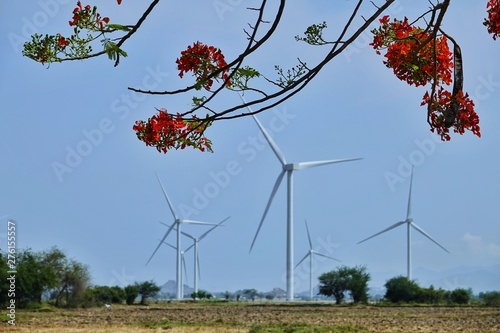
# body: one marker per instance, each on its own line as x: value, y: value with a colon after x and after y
x: 104, y: 209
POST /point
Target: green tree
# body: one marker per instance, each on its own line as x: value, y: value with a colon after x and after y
x: 49, y: 271
x: 345, y: 279
x: 201, y: 294
x: 250, y: 294
x: 490, y: 298
x: 33, y: 277
x: 400, y: 289
x: 460, y: 296
x: 106, y: 294
x: 74, y: 281
x: 147, y: 290
x: 131, y: 293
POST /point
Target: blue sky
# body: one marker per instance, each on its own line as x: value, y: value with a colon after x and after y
x: 104, y: 209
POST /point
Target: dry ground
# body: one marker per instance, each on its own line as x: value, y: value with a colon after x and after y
x: 259, y: 317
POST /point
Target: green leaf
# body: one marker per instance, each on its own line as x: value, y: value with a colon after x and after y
x: 118, y: 27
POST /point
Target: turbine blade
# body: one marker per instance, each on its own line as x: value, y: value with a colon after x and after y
x: 273, y: 193
x: 173, y: 247
x: 416, y: 227
x: 271, y: 142
x: 309, y: 236
x: 198, y: 264
x: 189, y: 248
x: 162, y: 240
x: 324, y: 255
x: 408, y: 211
x: 185, y: 269
x: 197, y: 222
x: 209, y: 230
x: 166, y: 197
x: 188, y: 235
x: 307, y: 165
x: 395, y: 225
x: 300, y: 262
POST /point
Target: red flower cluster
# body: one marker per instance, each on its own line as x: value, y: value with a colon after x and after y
x: 418, y: 63
x: 88, y: 17
x: 466, y: 118
x: 203, y: 61
x: 61, y: 41
x: 165, y: 131
x: 410, y: 59
x: 493, y: 20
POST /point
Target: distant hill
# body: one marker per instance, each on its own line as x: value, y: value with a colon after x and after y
x: 169, y: 290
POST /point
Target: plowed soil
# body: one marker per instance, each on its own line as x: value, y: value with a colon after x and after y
x: 258, y: 317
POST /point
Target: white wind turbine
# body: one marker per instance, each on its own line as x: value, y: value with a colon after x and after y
x: 311, y: 253
x: 196, y: 240
x: 183, y: 265
x: 177, y: 224
x: 409, y: 224
x: 287, y: 168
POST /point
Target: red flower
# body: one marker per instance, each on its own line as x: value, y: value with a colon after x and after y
x: 61, y: 41
x: 419, y: 64
x: 466, y: 117
x: 492, y: 23
x: 165, y: 131
x: 203, y: 61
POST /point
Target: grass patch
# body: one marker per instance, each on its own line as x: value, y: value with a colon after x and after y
x: 305, y: 328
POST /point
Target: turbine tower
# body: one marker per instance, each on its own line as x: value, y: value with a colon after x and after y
x: 287, y: 168
x: 196, y: 240
x: 177, y: 224
x: 409, y: 224
x: 311, y: 254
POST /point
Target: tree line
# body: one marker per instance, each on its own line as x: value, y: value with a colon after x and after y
x: 353, y: 281
x: 64, y: 282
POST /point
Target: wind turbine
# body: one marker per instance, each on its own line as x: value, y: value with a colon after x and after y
x: 177, y: 224
x: 183, y: 265
x: 196, y: 240
x: 287, y: 168
x: 409, y: 224
x: 311, y: 254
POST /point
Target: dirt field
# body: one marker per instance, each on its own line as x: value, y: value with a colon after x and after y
x: 259, y: 317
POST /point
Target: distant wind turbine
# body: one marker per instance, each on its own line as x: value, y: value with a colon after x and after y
x: 183, y: 265
x: 311, y: 253
x: 196, y: 240
x: 287, y: 168
x: 177, y: 224
x: 409, y: 224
